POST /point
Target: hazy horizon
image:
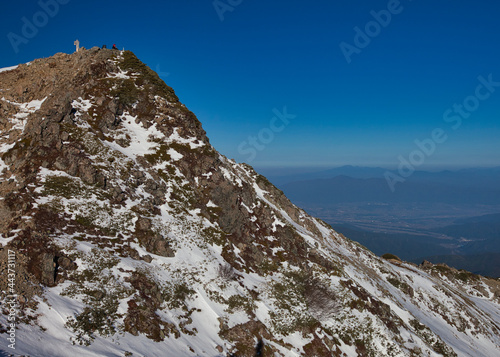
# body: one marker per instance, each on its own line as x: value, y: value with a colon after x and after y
x: 287, y: 170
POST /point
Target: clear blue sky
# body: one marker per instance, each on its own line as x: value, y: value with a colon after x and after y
x: 234, y: 65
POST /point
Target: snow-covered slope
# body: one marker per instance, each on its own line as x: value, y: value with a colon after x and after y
x: 7, y: 69
x: 134, y: 237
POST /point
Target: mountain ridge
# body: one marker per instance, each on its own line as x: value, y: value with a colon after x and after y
x: 134, y: 236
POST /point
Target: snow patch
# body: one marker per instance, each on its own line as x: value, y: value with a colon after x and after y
x: 193, y: 142
x: 174, y: 155
x: 5, y: 69
x: 142, y: 140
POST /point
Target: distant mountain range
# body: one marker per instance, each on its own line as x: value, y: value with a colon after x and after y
x: 342, y: 189
x: 347, y: 170
x: 462, y: 176
x: 356, y: 200
x: 362, y: 184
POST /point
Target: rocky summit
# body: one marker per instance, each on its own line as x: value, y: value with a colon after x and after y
x: 125, y: 233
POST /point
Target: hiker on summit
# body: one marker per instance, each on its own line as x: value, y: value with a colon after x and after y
x: 114, y: 47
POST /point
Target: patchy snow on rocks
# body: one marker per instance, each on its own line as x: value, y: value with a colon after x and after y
x: 5, y: 69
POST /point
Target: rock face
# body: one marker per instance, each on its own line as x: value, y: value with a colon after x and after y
x: 127, y: 225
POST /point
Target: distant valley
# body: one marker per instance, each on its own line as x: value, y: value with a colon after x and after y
x: 448, y: 216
